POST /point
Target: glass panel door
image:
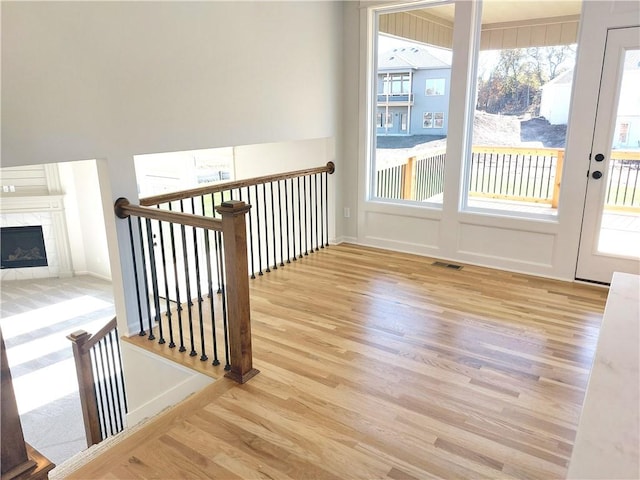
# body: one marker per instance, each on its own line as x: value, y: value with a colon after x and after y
x: 610, y: 239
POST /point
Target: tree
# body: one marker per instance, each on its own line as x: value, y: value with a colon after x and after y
x: 514, y: 84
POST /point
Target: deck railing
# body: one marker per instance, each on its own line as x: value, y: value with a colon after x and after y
x: 506, y: 173
x: 101, y: 382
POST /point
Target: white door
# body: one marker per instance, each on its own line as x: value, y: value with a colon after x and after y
x: 610, y: 239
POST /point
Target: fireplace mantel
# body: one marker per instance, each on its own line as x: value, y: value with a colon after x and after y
x: 31, y: 203
x: 18, y: 210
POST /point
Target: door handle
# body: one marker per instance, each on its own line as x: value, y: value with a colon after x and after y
x: 597, y: 174
x: 599, y: 157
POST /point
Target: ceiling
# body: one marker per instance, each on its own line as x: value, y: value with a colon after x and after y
x: 510, y: 11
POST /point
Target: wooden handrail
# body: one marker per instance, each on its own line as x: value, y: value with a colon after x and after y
x: 123, y: 209
x: 99, y: 335
x: 633, y: 155
x: 198, y: 191
x: 542, y: 151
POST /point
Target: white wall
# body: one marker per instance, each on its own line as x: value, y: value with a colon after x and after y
x: 109, y: 80
x: 85, y: 219
x: 154, y: 383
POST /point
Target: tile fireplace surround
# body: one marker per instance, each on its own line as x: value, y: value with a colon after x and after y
x: 47, y: 211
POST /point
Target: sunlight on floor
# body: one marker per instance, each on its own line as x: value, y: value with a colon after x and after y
x: 50, y: 315
x: 54, y: 381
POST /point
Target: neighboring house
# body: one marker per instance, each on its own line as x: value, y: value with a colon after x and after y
x: 555, y: 99
x: 556, y: 94
x: 627, y: 133
x: 413, y: 92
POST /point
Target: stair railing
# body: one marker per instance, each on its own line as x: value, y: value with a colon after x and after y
x: 289, y: 218
x: 101, y: 382
x: 178, y: 257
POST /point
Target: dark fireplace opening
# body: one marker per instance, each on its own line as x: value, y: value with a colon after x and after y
x: 22, y: 247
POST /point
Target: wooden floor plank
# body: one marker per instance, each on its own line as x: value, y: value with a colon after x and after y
x: 377, y: 364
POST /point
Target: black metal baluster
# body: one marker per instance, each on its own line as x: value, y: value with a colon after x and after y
x: 635, y: 187
x: 273, y: 227
x: 300, y: 217
x: 107, y: 411
x: 311, y: 216
x: 477, y: 157
x: 286, y: 219
x: 509, y: 190
x: 250, y: 225
x: 324, y: 209
x: 315, y: 203
x: 280, y: 223
x: 306, y: 225
x: 146, y: 281
x: 611, y: 172
x: 225, y: 319
x: 97, y: 388
x: 116, y: 365
x: 166, y: 286
x: 177, y: 282
x: 266, y: 226
x: 542, y: 182
x: 154, y: 279
x: 187, y: 285
x: 203, y: 355
x: 522, y: 174
x: 124, y: 393
x: 218, y: 274
x: 141, y: 333
x: 294, y: 258
x: 257, y: 204
x: 207, y: 249
x: 111, y: 370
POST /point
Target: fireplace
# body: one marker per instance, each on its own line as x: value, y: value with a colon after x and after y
x: 22, y: 247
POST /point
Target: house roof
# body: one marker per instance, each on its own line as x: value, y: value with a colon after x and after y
x: 410, y: 57
x: 631, y: 62
x: 565, y: 78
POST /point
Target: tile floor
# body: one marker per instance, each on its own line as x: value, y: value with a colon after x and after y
x: 36, y: 316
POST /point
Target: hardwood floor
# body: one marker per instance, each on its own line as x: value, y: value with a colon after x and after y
x: 380, y: 365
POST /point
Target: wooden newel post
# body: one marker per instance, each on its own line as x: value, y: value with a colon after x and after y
x: 86, y: 385
x: 558, y: 180
x: 409, y: 179
x: 234, y: 233
x: 18, y: 460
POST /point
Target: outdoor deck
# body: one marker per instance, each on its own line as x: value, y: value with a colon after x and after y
x: 377, y: 364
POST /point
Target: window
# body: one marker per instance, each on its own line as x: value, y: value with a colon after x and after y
x: 434, y: 86
x: 623, y: 133
x: 427, y: 120
x: 438, y: 120
x: 404, y: 67
x: 396, y: 84
x: 433, y: 120
x: 519, y: 124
